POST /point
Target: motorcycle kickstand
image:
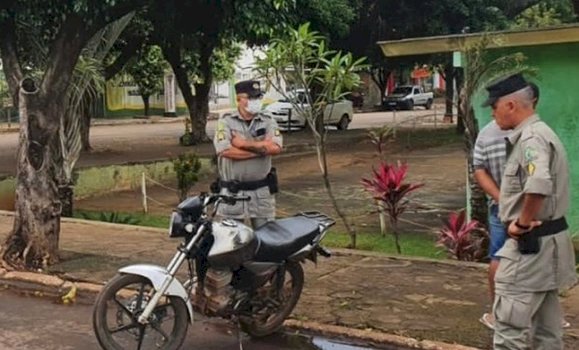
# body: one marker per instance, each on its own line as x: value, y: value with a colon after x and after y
x: 238, y: 332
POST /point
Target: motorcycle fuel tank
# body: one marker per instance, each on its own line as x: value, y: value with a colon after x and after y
x: 235, y: 243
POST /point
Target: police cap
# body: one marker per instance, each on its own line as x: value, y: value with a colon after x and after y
x: 249, y: 87
x: 504, y: 87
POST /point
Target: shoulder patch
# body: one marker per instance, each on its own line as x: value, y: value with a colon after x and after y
x: 530, y: 154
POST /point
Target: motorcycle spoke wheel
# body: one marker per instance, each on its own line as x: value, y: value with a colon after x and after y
x: 271, y: 310
x: 118, y: 308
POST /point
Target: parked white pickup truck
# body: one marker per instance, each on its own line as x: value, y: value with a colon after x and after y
x: 338, y: 114
x: 408, y: 96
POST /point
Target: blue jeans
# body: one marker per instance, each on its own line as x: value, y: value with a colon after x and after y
x: 498, y: 232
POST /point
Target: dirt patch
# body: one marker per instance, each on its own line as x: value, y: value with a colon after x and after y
x: 441, y: 169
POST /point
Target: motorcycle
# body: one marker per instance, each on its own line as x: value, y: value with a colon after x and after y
x: 253, y: 278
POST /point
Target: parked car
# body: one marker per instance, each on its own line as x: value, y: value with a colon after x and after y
x: 338, y: 114
x: 407, y: 97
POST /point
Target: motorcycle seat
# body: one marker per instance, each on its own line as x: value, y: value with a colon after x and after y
x: 280, y: 239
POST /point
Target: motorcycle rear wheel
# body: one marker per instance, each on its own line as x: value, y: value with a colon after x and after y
x: 121, y: 302
x: 257, y: 326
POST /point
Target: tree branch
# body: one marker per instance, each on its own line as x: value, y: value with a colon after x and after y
x: 63, y: 55
x: 127, y: 53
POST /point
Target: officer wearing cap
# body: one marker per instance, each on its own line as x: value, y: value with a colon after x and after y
x: 538, y: 259
x: 245, y: 143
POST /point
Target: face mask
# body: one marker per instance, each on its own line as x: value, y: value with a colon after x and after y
x: 253, y: 106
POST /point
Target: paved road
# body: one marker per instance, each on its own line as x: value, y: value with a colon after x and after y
x: 29, y: 323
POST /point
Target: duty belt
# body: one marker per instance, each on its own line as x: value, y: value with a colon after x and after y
x: 235, y: 186
x: 550, y: 227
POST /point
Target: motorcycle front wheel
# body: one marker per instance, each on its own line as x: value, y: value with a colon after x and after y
x: 118, y: 307
x: 272, y: 308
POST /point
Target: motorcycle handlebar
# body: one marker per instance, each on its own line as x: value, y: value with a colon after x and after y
x: 231, y: 200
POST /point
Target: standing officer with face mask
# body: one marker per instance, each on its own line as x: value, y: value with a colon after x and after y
x: 537, y: 260
x: 245, y: 143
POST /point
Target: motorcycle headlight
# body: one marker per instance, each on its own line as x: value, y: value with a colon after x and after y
x: 176, y: 225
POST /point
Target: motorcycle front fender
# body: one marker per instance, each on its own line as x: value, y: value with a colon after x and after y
x: 157, y: 275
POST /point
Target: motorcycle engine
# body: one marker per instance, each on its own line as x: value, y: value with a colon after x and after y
x: 216, y: 296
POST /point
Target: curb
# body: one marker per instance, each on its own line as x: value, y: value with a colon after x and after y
x: 42, y: 285
x: 373, y: 337
x: 335, y: 251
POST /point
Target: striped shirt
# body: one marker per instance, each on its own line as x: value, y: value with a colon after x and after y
x: 490, y: 151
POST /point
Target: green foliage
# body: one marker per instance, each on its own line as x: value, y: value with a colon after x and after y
x: 112, y: 217
x: 301, y: 56
x: 147, y: 69
x: 224, y: 59
x: 480, y: 70
x: 4, y: 95
x: 187, y: 167
x: 379, y: 136
x: 545, y: 13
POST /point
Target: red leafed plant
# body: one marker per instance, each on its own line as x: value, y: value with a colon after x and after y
x: 388, y: 188
x: 459, y: 238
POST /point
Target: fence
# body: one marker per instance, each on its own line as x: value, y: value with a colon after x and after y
x: 145, y: 198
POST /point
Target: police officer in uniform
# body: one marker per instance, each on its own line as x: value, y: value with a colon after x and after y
x: 245, y: 143
x: 538, y: 258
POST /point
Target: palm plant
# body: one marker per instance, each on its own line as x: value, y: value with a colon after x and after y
x: 480, y: 70
x: 388, y: 188
x: 325, y: 75
x: 86, y: 86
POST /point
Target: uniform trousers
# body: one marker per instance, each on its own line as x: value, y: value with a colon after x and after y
x: 527, y: 320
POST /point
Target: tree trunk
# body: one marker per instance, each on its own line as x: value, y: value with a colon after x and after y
x: 576, y: 7
x: 380, y: 78
x: 66, y: 195
x: 146, y: 103
x: 85, y: 120
x: 459, y: 76
x: 200, y: 112
x: 478, y: 199
x: 35, y: 236
x: 449, y: 101
x: 394, y: 228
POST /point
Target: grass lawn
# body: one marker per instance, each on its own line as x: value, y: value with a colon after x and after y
x: 411, y: 244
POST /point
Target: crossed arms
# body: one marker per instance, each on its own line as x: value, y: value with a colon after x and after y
x: 242, y: 148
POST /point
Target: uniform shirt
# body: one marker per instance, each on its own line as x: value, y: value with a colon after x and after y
x: 262, y: 203
x: 490, y: 151
x: 536, y: 164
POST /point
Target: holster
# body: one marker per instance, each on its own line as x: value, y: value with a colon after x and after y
x: 272, y: 181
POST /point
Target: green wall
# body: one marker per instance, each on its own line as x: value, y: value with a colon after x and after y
x: 558, y: 80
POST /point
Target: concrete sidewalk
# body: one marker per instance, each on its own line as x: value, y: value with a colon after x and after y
x: 372, y: 295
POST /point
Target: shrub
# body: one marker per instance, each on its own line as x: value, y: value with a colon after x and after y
x: 463, y: 240
x: 186, y: 168
x: 112, y: 217
x: 388, y: 188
